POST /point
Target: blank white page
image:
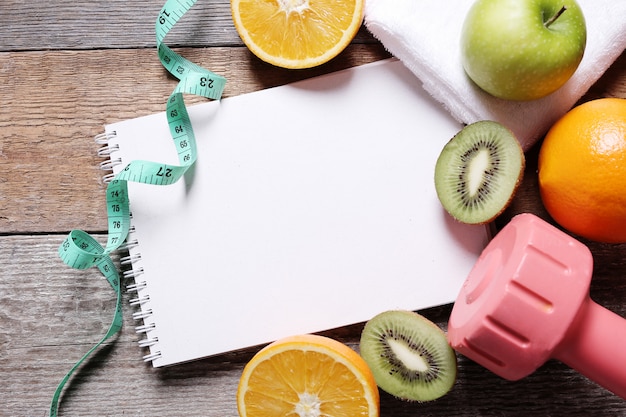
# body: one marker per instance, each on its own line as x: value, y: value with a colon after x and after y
x: 311, y: 206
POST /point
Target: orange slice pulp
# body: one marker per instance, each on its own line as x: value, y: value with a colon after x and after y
x: 307, y: 376
x: 297, y: 33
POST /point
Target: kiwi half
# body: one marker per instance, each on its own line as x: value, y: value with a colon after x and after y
x: 478, y: 172
x: 409, y: 356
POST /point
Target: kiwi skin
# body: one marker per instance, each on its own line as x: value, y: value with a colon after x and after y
x: 501, y: 172
x: 395, y: 338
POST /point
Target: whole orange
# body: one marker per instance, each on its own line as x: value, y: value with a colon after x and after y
x: 582, y: 170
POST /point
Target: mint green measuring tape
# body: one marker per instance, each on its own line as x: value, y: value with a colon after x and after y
x: 80, y: 250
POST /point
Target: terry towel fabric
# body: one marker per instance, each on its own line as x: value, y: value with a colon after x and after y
x: 425, y: 36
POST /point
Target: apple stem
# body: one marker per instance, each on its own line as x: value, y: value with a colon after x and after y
x: 556, y: 16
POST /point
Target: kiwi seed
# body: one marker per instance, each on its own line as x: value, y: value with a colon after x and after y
x: 409, y: 356
x: 478, y: 172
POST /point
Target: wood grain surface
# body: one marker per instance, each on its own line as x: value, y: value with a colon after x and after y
x: 69, y: 67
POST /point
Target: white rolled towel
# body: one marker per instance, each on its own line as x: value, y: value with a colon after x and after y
x: 425, y: 36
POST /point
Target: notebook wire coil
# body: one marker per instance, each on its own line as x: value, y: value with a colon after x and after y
x: 131, y: 261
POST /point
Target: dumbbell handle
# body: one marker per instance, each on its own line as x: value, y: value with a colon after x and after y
x: 595, y: 346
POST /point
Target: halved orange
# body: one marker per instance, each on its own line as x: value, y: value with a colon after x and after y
x: 307, y: 376
x: 297, y: 33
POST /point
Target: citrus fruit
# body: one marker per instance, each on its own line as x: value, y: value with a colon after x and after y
x: 582, y: 170
x: 297, y: 33
x: 307, y: 376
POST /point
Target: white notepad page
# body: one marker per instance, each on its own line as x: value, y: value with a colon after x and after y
x: 311, y: 206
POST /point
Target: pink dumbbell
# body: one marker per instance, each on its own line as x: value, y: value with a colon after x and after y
x: 527, y: 300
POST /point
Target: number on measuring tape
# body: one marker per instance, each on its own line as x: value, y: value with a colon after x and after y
x: 79, y: 250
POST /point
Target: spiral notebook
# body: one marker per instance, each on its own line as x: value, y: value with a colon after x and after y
x: 311, y: 206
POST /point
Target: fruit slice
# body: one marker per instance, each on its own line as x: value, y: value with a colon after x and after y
x: 297, y: 33
x: 478, y: 172
x: 409, y: 356
x: 307, y: 376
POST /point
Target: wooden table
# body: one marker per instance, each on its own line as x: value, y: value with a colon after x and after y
x: 69, y: 67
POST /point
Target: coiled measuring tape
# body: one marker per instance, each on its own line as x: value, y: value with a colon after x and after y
x: 80, y: 250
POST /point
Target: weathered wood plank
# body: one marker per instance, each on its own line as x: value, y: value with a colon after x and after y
x: 56, y: 102
x: 51, y: 315
x: 27, y: 26
x: 48, y: 125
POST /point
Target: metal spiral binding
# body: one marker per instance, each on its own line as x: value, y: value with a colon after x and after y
x: 142, y: 314
x: 149, y: 341
x: 133, y: 273
x: 129, y: 244
x: 105, y: 137
x: 145, y: 328
x: 133, y: 258
x: 139, y: 300
x: 130, y: 259
x: 137, y: 286
x: 109, y: 164
x: 108, y: 178
x: 105, y: 151
x: 151, y: 357
x: 108, y: 150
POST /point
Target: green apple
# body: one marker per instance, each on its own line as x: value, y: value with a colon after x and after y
x: 522, y: 49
